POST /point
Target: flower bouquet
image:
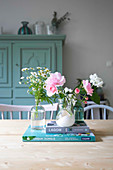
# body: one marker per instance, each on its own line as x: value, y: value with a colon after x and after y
x: 86, y: 89
x: 47, y: 86
x: 42, y: 85
x: 71, y: 101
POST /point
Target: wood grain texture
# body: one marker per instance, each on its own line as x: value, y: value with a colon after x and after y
x: 15, y: 154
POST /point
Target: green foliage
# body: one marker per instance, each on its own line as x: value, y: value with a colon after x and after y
x: 95, y: 97
x: 56, y: 22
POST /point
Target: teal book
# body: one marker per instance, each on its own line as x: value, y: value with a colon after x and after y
x: 32, y: 135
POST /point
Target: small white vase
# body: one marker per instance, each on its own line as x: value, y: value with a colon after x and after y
x: 65, y: 117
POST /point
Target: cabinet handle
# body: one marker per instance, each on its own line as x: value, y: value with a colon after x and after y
x: 16, y: 64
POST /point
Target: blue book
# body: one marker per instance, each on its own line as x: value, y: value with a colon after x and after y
x: 32, y: 135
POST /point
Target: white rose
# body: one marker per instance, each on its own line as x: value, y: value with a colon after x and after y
x: 95, y: 80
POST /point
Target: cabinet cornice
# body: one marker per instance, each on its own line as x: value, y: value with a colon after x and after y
x: 33, y: 37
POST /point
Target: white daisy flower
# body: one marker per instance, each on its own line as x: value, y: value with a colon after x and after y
x: 33, y: 89
x: 27, y: 77
x: 21, y: 78
x: 24, y: 69
x: 27, y: 91
x: 67, y: 90
x: 44, y: 86
x: 31, y: 77
x: 31, y: 68
x: 39, y: 68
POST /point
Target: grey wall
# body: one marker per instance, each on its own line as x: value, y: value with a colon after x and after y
x: 89, y: 42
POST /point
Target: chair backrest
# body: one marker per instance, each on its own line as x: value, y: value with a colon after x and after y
x: 15, y: 108
x: 25, y: 108
x: 92, y: 107
x: 51, y: 108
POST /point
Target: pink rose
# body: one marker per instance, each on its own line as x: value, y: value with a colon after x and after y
x: 77, y: 90
x: 87, y: 87
x: 56, y: 79
x: 51, y: 90
x: 86, y: 98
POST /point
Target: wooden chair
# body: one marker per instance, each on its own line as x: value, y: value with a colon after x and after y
x: 51, y: 108
x: 25, y: 108
x: 92, y: 107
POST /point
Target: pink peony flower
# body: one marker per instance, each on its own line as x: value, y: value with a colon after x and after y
x: 51, y: 90
x: 87, y: 87
x: 77, y: 90
x: 56, y: 79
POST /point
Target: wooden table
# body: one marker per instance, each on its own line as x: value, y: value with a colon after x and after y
x: 15, y: 154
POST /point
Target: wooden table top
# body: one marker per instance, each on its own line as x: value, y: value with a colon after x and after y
x: 15, y: 154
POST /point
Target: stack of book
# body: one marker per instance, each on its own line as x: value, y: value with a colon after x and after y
x: 79, y: 132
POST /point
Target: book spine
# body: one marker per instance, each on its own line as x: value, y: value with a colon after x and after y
x: 64, y: 139
x: 55, y: 130
x: 66, y: 130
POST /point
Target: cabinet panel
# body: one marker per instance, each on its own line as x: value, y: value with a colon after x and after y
x: 5, y: 65
x: 5, y: 93
x: 31, y: 55
x: 5, y: 73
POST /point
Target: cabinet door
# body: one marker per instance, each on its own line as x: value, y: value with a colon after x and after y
x: 5, y: 73
x: 30, y: 54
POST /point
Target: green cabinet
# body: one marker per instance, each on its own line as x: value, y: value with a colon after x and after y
x: 19, y: 51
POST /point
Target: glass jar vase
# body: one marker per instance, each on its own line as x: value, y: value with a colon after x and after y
x: 65, y: 116
x: 38, y: 117
x: 40, y: 28
x: 79, y: 113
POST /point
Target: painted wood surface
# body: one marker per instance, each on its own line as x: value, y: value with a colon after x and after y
x: 16, y: 154
x: 19, y: 51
